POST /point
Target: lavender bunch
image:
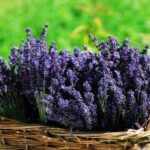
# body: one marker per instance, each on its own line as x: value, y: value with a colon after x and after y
x: 105, y: 91
x: 129, y: 82
x: 10, y: 104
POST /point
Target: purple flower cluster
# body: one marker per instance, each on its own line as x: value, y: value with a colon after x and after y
x: 105, y: 91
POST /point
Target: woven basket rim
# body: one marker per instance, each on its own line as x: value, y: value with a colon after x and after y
x: 15, y: 133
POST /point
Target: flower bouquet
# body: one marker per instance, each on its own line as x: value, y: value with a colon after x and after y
x: 79, y: 96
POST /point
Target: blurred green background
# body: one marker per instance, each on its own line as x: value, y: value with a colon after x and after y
x: 70, y: 21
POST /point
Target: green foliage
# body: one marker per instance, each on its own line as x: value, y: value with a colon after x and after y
x: 71, y: 21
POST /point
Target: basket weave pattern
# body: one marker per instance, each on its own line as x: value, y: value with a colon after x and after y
x: 15, y: 135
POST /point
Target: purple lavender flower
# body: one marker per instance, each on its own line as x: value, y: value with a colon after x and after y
x: 109, y: 90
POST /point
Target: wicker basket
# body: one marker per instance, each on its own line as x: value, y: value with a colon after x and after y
x: 15, y: 135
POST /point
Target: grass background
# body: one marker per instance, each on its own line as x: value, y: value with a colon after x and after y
x: 70, y: 21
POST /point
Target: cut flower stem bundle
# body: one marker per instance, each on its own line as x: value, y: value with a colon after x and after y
x: 109, y: 90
